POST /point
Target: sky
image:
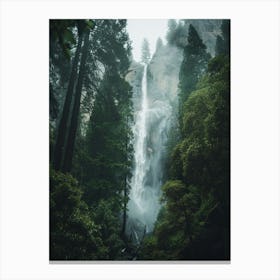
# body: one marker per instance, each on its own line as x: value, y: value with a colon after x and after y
x: 152, y: 29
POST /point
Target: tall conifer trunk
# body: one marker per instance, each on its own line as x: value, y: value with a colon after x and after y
x: 62, y: 129
x: 67, y: 163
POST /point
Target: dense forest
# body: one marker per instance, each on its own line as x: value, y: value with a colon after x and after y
x: 125, y: 134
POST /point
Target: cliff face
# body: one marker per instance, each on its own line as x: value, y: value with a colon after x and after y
x: 164, y: 67
x: 134, y: 78
x: 163, y: 73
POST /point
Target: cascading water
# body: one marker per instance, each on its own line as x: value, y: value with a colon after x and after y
x: 150, y: 135
x: 138, y: 190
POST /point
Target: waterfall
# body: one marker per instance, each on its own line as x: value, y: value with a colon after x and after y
x: 150, y: 135
x: 140, y: 131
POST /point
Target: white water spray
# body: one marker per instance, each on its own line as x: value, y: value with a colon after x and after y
x: 140, y: 131
x: 151, y: 125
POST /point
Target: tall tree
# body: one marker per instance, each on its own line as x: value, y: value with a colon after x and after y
x: 223, y: 41
x: 107, y: 168
x: 159, y: 44
x: 146, y: 55
x: 62, y: 128
x: 172, y: 25
x: 69, y: 149
x: 60, y: 141
x: 177, y: 33
x: 194, y: 65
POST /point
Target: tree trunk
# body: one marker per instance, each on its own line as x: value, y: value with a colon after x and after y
x: 62, y: 129
x: 67, y: 163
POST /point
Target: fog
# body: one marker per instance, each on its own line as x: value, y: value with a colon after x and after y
x: 151, y: 29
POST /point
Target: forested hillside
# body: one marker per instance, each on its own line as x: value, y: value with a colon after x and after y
x: 139, y: 150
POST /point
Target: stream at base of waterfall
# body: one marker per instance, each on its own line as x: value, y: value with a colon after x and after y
x: 150, y: 129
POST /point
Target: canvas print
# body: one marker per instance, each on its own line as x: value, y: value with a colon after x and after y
x: 139, y: 136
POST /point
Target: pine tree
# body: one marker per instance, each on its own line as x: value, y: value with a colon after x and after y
x: 172, y: 25
x: 159, y: 44
x: 62, y: 128
x: 225, y: 27
x: 145, y: 58
x: 62, y: 131
x: 223, y: 42
x: 194, y: 65
x: 69, y: 149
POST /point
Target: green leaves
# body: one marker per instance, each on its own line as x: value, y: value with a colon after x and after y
x: 196, y: 200
x: 68, y: 37
x: 90, y: 23
x: 63, y: 32
x: 192, y: 68
x: 73, y: 232
x: 173, y: 190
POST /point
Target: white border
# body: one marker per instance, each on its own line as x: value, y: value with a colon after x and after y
x: 255, y: 138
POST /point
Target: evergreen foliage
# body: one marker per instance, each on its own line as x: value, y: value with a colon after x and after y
x: 193, y: 67
x: 146, y: 55
x: 194, y: 64
x: 73, y: 233
x: 159, y: 44
x: 223, y: 42
x: 177, y: 33
x: 92, y: 140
